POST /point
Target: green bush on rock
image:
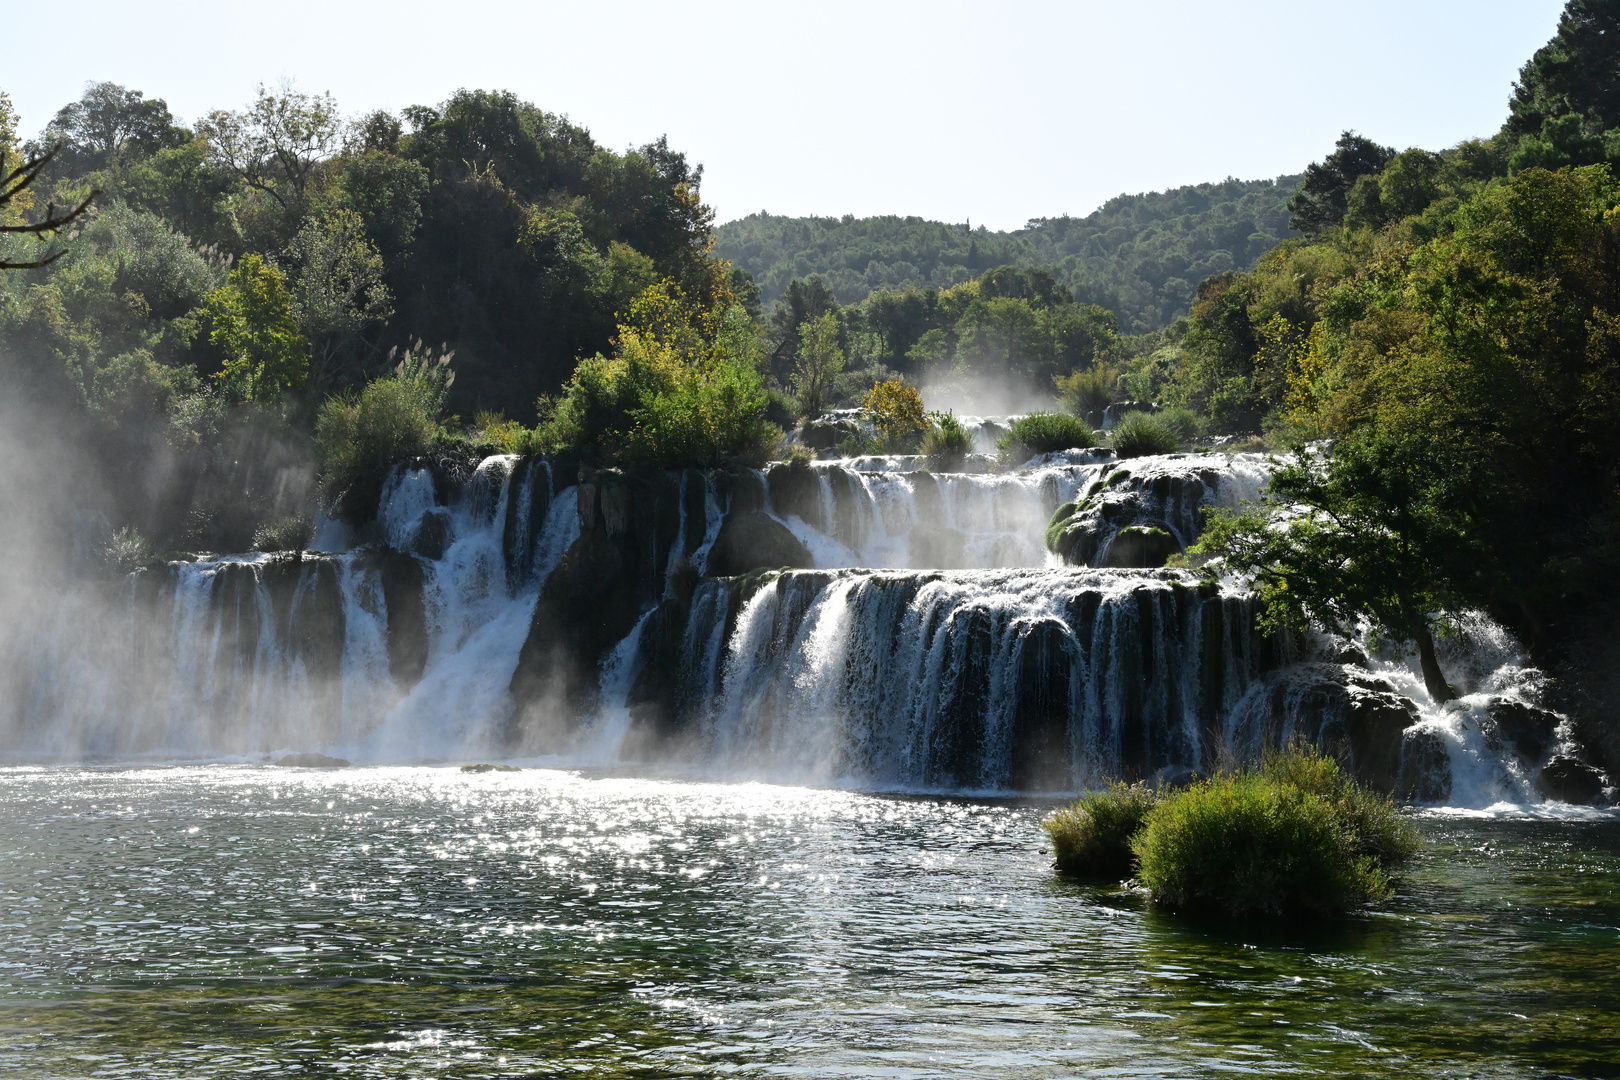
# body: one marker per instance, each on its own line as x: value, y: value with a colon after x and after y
x: 1293, y: 837
x: 1141, y: 434
x: 1092, y: 838
x: 1045, y: 433
x: 947, y: 443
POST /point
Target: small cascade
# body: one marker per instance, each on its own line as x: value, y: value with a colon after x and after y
x: 849, y: 514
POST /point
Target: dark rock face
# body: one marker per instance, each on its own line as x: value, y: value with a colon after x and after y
x: 592, y: 600
x: 402, y: 581
x: 1425, y: 768
x: 753, y: 540
x: 796, y: 489
x: 1567, y: 779
x: 432, y: 534
x: 1353, y: 714
x: 1524, y: 729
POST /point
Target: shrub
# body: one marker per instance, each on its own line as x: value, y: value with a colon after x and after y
x: 508, y: 436
x: 680, y: 390
x: 284, y: 534
x: 1294, y: 837
x: 1184, y: 422
x: 1045, y: 433
x: 947, y: 442
x: 1092, y: 838
x: 1139, y: 434
x: 1372, y: 819
x: 896, y: 411
x: 126, y: 550
x: 1087, y: 393
x: 392, y: 418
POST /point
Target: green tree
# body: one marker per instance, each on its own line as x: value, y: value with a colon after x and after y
x: 1368, y: 533
x: 277, y: 144
x: 266, y: 354
x: 97, y: 129
x: 819, y: 359
x: 1576, y: 73
x: 337, y: 290
x: 1323, y: 197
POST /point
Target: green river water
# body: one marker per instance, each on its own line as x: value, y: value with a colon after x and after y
x: 223, y: 921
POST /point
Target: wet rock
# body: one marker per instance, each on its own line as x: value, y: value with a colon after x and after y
x: 483, y: 767
x: 1340, y: 709
x: 432, y: 534
x: 795, y: 490
x: 826, y: 434
x: 402, y: 583
x: 1140, y: 547
x: 1525, y: 729
x: 1570, y: 780
x: 1425, y: 768
x: 749, y: 541
x: 310, y: 761
x: 742, y: 491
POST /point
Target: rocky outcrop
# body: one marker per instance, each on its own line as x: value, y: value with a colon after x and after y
x: 1140, y: 547
x: 1148, y: 516
x: 1570, y: 780
x: 592, y: 600
x: 1345, y: 710
x: 755, y: 540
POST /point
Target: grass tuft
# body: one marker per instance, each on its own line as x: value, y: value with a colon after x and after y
x: 1143, y: 434
x: 1045, y: 433
x: 1293, y: 838
x: 947, y: 442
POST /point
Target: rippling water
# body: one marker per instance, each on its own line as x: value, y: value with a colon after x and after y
x: 212, y: 921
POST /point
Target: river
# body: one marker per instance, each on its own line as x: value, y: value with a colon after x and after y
x: 228, y: 920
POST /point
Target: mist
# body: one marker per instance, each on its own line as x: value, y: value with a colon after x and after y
x: 981, y: 395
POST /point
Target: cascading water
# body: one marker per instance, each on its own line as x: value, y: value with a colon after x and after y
x: 373, y: 653
x: 984, y: 680
x: 950, y: 634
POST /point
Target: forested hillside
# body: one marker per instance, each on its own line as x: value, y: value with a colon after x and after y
x: 1141, y: 256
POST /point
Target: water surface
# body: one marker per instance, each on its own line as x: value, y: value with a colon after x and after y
x: 216, y: 920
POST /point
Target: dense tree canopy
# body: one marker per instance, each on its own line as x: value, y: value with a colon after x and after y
x: 1138, y: 255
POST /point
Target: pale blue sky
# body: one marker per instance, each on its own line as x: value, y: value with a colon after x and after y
x: 996, y: 112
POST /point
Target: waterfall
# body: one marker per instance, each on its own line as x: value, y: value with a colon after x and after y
x: 980, y: 680
x: 947, y: 631
x: 377, y: 653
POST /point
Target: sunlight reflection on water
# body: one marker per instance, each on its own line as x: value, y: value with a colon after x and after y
x: 201, y: 921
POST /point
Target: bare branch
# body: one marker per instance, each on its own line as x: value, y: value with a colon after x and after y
x: 13, y: 184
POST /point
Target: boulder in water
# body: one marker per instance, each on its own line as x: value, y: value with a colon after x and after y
x: 1145, y: 547
x: 310, y: 761
x: 484, y: 767
x: 1570, y: 780
x: 1524, y: 729
x: 1425, y: 768
x: 753, y: 540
